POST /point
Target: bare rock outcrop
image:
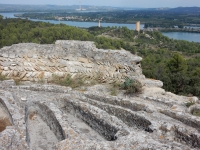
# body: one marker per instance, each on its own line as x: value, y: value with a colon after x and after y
x: 46, y: 116
x: 35, y: 62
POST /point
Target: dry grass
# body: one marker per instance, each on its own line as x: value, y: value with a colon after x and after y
x: 2, y: 77
x: 75, y: 82
x: 115, y: 87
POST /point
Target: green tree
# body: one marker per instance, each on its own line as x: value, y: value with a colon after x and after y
x: 181, y: 26
x: 1, y: 17
x: 177, y: 64
x: 177, y: 67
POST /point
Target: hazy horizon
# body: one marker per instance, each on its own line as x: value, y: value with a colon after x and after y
x: 113, y: 3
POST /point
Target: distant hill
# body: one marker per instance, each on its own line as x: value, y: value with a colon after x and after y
x: 48, y: 8
x: 185, y: 9
x: 175, y: 10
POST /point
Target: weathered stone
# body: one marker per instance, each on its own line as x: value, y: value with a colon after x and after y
x: 22, y: 75
x: 83, y: 60
x: 30, y: 55
x: 52, y: 65
x: 152, y: 82
x: 87, y: 65
x: 28, y: 74
x: 5, y: 55
x: 6, y: 68
x: 47, y: 75
x: 4, y: 73
x: 66, y: 69
x: 72, y: 70
x: 12, y: 56
x: 2, y: 59
x: 35, y: 56
x: 23, y: 99
x: 26, y: 63
x: 122, y: 70
x: 10, y: 74
x: 75, y: 55
x: 20, y: 69
x: 33, y: 74
x: 12, y: 68
x: 70, y: 58
x: 61, y: 74
x: 15, y: 73
x: 13, y: 64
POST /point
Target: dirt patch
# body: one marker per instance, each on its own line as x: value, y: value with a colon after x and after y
x: 32, y: 116
x: 4, y: 120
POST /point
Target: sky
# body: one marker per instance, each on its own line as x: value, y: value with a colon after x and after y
x: 116, y: 3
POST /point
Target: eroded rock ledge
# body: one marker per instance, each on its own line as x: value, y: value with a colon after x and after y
x: 34, y: 62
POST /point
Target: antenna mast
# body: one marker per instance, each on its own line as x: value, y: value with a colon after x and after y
x: 80, y: 4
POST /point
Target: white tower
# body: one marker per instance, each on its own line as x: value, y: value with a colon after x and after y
x: 99, y: 25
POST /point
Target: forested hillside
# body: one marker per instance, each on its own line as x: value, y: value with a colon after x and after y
x: 152, y: 17
x: 176, y: 63
x: 22, y: 31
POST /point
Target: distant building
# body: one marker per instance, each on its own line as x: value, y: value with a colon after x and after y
x: 80, y: 7
x: 99, y: 25
x: 137, y: 26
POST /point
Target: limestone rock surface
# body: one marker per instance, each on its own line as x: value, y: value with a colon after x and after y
x: 45, y: 116
x: 53, y: 117
x: 34, y: 62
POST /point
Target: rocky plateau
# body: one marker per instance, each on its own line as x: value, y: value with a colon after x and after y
x: 44, y: 116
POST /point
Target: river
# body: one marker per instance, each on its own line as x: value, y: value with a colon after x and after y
x: 195, y: 37
x: 188, y: 36
x: 76, y: 23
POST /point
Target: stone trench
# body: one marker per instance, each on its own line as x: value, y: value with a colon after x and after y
x: 43, y: 130
x: 46, y: 116
x: 54, y: 117
x: 5, y: 116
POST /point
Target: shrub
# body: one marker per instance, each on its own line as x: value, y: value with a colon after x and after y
x: 196, y: 112
x: 132, y: 86
x: 188, y: 104
x: 2, y: 77
x: 114, y: 88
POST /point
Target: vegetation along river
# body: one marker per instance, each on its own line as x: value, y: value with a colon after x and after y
x: 195, y: 37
